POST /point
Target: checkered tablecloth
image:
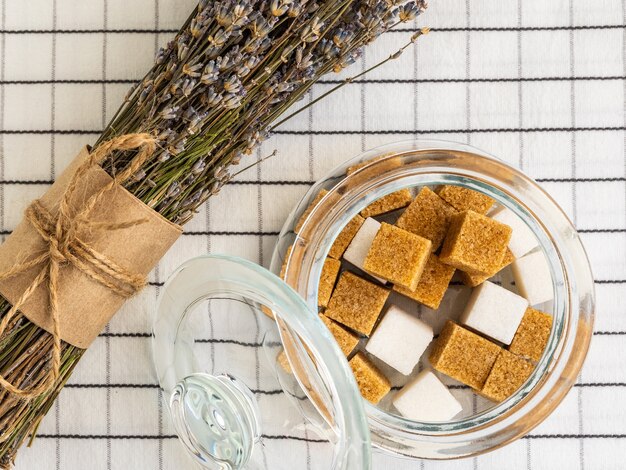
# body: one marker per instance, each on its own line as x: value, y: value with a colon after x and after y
x: 542, y: 84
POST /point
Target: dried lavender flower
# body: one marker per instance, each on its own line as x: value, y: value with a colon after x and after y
x: 235, y: 67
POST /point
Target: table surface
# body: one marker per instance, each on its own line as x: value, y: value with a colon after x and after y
x: 540, y: 84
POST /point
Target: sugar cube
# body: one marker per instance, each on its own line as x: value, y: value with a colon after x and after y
x: 494, y: 311
x: 475, y: 243
x: 463, y: 355
x: 345, y: 237
x: 397, y: 256
x: 283, y: 268
x: 284, y: 362
x: 388, y: 203
x: 307, y: 212
x: 346, y: 340
x: 356, y: 302
x: 426, y: 398
x: 473, y: 280
x: 533, y: 278
x: 330, y: 271
x: 522, y: 238
x: 428, y: 216
x: 360, y: 244
x: 370, y: 380
x: 399, y: 340
x: 450, y: 308
x: 432, y: 285
x: 389, y: 163
x: 465, y: 199
x: 532, y: 335
x: 507, y: 375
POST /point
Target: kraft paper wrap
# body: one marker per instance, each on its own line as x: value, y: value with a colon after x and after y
x: 85, y: 305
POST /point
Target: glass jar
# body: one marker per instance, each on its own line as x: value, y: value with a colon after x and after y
x: 419, y: 163
x: 213, y: 394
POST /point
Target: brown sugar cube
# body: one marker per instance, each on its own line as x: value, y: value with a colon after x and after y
x: 284, y: 362
x: 309, y: 209
x: 356, y: 302
x: 358, y: 166
x: 388, y: 203
x: 283, y: 270
x: 473, y: 280
x: 463, y: 355
x: 508, y: 374
x: 464, y: 199
x: 391, y: 162
x: 345, y: 237
x: 427, y: 216
x: 475, y: 244
x: 267, y: 312
x: 346, y: 340
x: 433, y: 283
x: 532, y: 334
x: 330, y: 271
x: 397, y: 255
x: 372, y: 383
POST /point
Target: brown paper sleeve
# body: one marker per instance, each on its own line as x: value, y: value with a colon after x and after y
x: 86, y: 306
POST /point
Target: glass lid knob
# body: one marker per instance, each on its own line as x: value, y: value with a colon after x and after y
x: 217, y: 419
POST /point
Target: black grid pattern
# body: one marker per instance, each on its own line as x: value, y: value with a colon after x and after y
x: 540, y: 84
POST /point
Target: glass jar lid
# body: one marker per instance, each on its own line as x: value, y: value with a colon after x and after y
x: 246, y: 367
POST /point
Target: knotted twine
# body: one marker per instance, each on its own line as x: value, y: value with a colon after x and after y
x: 62, y: 232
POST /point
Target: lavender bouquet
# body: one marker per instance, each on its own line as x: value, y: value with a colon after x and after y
x: 214, y: 93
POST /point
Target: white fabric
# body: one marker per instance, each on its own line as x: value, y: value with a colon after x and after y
x: 539, y: 83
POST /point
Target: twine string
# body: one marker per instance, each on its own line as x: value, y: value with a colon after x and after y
x: 61, y: 232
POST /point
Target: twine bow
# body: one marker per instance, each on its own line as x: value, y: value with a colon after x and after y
x: 61, y: 232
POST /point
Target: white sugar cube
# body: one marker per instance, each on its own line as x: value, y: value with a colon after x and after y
x: 522, y: 238
x: 360, y: 245
x: 494, y: 311
x: 399, y: 340
x: 533, y: 278
x: 425, y: 398
x: 451, y: 307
